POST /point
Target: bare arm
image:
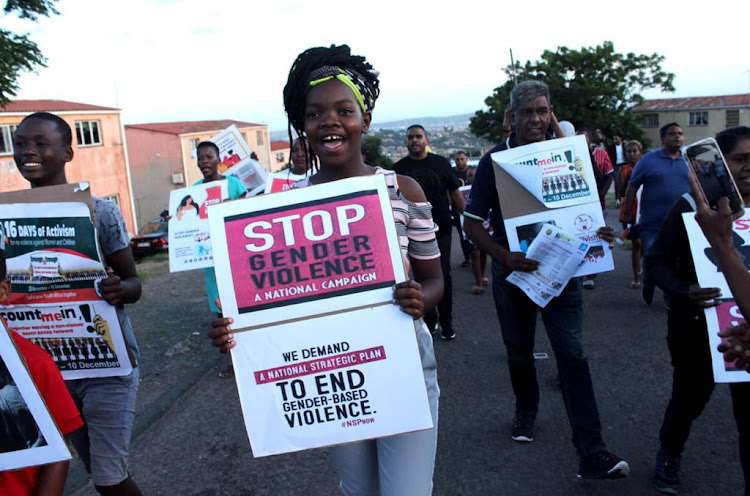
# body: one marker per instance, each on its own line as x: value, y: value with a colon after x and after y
x: 122, y: 284
x: 50, y: 479
x: 627, y: 216
x: 717, y: 226
x: 427, y: 273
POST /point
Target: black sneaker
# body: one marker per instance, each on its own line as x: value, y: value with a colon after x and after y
x: 465, y: 263
x: 647, y: 295
x: 602, y: 465
x: 667, y: 473
x: 448, y: 334
x: 523, y: 427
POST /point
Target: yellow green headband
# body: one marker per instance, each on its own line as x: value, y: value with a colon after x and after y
x: 353, y: 80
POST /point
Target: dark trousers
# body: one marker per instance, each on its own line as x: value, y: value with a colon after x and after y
x: 445, y: 306
x: 563, y: 320
x: 693, y: 383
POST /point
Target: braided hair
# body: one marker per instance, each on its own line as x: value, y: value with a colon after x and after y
x: 306, y: 69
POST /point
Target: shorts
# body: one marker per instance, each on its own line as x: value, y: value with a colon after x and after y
x: 107, y: 406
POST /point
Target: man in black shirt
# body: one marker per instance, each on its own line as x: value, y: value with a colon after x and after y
x: 434, y: 174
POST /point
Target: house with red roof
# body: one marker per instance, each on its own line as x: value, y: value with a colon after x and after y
x: 162, y: 157
x: 280, y: 155
x: 100, y: 151
x: 700, y: 116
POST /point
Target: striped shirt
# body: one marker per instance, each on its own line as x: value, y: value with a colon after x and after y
x: 414, y: 225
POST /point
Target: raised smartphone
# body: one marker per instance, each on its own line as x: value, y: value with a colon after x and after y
x: 707, y: 163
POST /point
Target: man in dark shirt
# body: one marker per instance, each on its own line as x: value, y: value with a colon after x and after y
x: 434, y: 174
x: 563, y: 316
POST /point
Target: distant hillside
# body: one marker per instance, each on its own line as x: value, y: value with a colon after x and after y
x: 458, y: 122
x: 447, y: 135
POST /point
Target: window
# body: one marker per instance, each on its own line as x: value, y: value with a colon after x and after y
x: 698, y: 119
x: 87, y: 133
x: 650, y: 120
x: 260, y: 138
x: 194, y: 143
x: 6, y: 139
x: 733, y: 118
x: 279, y: 157
x: 113, y: 199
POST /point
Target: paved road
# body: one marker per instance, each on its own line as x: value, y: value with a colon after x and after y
x: 190, y: 439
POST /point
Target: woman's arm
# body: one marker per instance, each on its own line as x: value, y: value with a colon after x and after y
x: 418, y: 296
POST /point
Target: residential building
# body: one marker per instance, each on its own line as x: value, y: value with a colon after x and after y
x: 700, y: 116
x: 162, y: 157
x: 100, y: 152
x: 280, y: 155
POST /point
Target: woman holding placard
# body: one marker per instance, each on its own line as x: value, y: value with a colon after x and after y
x: 329, y: 97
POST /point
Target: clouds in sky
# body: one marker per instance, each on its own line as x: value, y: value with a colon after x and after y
x: 168, y: 60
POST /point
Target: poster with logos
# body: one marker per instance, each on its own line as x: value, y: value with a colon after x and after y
x: 235, y: 156
x: 305, y: 252
x: 189, y: 238
x: 558, y: 173
x: 520, y: 175
x: 330, y: 380
x: 726, y: 313
x: 28, y: 435
x: 580, y: 221
x: 322, y: 356
x: 55, y: 265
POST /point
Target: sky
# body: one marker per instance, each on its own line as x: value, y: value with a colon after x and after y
x: 173, y: 60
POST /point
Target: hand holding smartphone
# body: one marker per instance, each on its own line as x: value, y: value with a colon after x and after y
x: 710, y: 169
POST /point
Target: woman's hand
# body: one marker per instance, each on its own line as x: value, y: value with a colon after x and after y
x: 221, y: 333
x: 409, y: 297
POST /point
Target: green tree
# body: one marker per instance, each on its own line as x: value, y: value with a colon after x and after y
x: 594, y: 87
x: 17, y: 52
x: 371, y: 148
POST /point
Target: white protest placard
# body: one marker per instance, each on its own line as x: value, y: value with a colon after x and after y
x: 79, y: 336
x: 189, y: 238
x: 329, y: 380
x: 552, y: 182
x: 235, y: 160
x: 281, y: 181
x: 556, y: 172
x: 305, y: 252
x: 726, y: 313
x: 322, y: 356
x: 55, y: 264
x: 28, y: 435
x: 559, y: 256
x: 580, y: 221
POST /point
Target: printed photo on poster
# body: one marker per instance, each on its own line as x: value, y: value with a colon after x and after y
x: 51, y: 252
x: 189, y: 237
x: 84, y: 339
x: 306, y: 252
x: 234, y: 153
x: 330, y: 380
x: 28, y: 435
x: 556, y: 172
x: 580, y: 221
x: 727, y: 313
